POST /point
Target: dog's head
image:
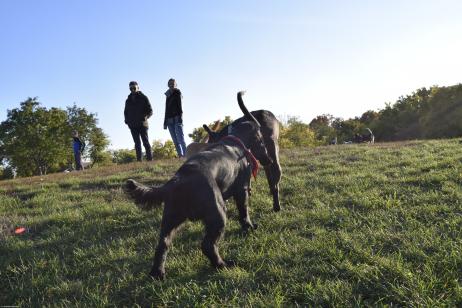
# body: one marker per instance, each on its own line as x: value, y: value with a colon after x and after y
x: 247, y: 129
x: 250, y: 134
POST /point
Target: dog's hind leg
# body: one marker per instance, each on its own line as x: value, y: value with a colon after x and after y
x: 215, y: 222
x: 273, y: 172
x: 170, y: 222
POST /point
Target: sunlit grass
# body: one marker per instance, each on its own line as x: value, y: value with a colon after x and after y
x: 360, y: 225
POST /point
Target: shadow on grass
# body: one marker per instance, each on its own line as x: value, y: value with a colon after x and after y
x: 107, y: 185
x: 82, y: 249
x: 22, y: 194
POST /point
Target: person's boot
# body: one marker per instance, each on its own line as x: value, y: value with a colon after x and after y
x: 139, y: 154
x: 149, y: 155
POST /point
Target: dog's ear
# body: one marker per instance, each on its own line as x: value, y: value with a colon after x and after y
x: 216, y: 125
x: 213, y: 136
x: 207, y: 129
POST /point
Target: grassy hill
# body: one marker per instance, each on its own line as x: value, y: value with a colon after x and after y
x: 361, y: 225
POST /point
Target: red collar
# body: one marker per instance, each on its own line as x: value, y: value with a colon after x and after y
x: 252, y: 160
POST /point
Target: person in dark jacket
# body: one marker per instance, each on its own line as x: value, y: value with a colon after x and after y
x: 78, y: 146
x: 174, y: 117
x: 137, y: 111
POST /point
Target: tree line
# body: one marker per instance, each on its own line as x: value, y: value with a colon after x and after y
x: 425, y: 114
x: 35, y: 140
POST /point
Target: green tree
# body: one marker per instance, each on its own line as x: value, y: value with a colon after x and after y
x: 104, y: 158
x: 6, y: 173
x: 346, y: 129
x: 295, y: 133
x: 368, y: 117
x: 322, y: 127
x: 35, y: 140
x: 124, y: 156
x: 163, y: 150
x: 443, y: 113
x: 98, y: 142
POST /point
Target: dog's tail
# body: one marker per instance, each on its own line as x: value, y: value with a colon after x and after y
x: 146, y: 198
x: 244, y: 108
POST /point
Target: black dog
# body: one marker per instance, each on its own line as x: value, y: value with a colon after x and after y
x: 368, y: 137
x: 199, y: 189
x: 270, y: 131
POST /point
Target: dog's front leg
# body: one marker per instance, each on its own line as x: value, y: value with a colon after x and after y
x: 241, y: 199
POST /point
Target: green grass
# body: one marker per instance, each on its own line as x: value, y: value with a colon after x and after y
x: 360, y: 225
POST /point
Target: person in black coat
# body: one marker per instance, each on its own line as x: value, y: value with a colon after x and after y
x: 137, y: 111
x: 174, y: 117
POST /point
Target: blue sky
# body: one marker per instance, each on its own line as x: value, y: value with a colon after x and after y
x: 295, y: 58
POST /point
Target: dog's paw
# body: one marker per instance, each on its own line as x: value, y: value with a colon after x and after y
x: 248, y: 226
x: 157, y: 274
x: 230, y: 263
x: 225, y: 264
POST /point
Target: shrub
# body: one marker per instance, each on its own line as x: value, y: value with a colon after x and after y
x: 123, y: 156
x: 163, y: 150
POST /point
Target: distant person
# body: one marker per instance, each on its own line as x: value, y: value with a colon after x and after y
x: 137, y: 111
x: 78, y: 147
x: 333, y: 141
x: 174, y: 117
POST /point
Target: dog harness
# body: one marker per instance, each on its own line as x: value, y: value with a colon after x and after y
x: 250, y: 158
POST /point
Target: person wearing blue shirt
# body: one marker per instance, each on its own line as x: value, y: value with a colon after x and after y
x: 78, y: 146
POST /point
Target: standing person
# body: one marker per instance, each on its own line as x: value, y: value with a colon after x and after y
x: 78, y: 147
x: 174, y: 117
x: 137, y: 111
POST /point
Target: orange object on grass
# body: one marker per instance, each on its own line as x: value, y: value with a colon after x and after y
x: 19, y: 230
